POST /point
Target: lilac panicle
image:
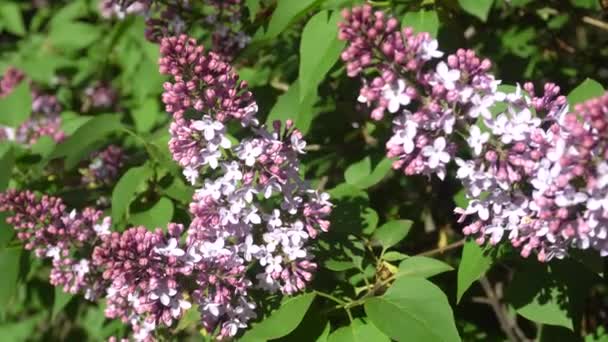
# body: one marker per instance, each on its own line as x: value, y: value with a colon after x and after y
x: 252, y: 213
x: 45, y: 119
x: 104, y: 167
x: 535, y: 173
x: 51, y: 231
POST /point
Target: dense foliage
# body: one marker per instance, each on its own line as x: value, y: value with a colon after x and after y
x: 310, y: 170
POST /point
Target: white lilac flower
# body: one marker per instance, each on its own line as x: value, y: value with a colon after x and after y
x: 481, y: 106
x: 446, y: 76
x: 405, y: 136
x: 396, y: 95
x: 191, y: 174
x: 429, y: 49
x: 249, y: 152
x: 170, y: 249
x: 477, y: 139
x: 436, y: 153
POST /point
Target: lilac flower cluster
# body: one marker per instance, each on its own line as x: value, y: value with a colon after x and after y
x: 144, y: 270
x: 104, y: 167
x: 225, y: 21
x: 66, y: 237
x: 100, y: 96
x: 119, y: 9
x: 223, y: 18
x: 253, y: 215
x: 44, y: 120
x: 252, y: 211
x: 421, y: 142
x: 534, y: 174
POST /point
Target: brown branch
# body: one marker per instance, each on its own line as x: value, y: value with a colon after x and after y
x: 507, y: 322
x: 595, y: 22
x: 441, y: 250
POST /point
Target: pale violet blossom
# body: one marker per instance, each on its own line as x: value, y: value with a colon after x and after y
x: 447, y: 77
x: 477, y: 139
x: 396, y: 95
x: 436, y: 153
x: 429, y: 49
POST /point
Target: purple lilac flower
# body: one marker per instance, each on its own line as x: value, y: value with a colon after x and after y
x: 252, y: 213
x: 143, y: 269
x: 51, y: 231
x: 536, y: 175
x: 100, y: 96
x: 104, y: 167
x: 44, y: 120
x: 119, y: 9
x: 437, y: 97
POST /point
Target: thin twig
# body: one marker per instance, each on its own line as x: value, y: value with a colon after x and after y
x: 441, y: 250
x: 595, y: 22
x: 507, y: 323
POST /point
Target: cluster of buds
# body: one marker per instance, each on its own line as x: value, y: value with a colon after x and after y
x: 104, y: 167
x: 225, y: 21
x: 44, y: 119
x: 253, y: 215
x: 119, y: 9
x: 100, y: 96
x: 223, y: 18
x: 534, y: 173
x: 406, y: 78
x: 51, y: 231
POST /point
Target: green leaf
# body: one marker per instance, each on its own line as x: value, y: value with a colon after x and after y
x: 585, y: 91
x: 6, y: 231
x: 21, y: 330
x: 380, y: 171
x: 282, y: 321
x: 339, y: 265
x: 7, y: 162
x: 360, y: 174
x: 478, y: 8
x: 394, y: 256
x: 423, y: 267
x: 61, y: 299
x: 17, y: 106
x: 191, y: 318
x: 473, y: 264
x: 127, y: 187
x: 586, y: 4
x: 289, y: 106
x: 157, y: 216
x: 413, y: 309
x: 350, y: 212
x: 179, y: 191
x: 9, y: 264
x: 146, y: 115
x: 358, y: 331
x: 554, y: 294
x: 76, y: 147
x: 253, y: 6
x: 71, y: 122
x: 422, y: 21
x: 286, y: 12
x: 320, y: 48
x: 325, y: 335
x: 44, y: 146
x: 391, y: 233
x: 535, y: 298
x: 73, y: 35
x: 73, y: 10
x: 369, y: 218
x: 358, y: 171
x: 11, y: 19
